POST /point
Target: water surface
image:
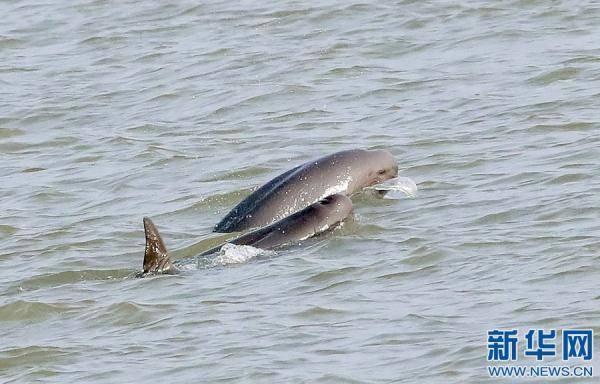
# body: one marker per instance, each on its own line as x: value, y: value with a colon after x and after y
x: 114, y: 111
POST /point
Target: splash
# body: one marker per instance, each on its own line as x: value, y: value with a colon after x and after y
x: 236, y: 254
x: 397, y: 188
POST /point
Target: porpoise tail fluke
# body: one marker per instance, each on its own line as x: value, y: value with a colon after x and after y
x: 156, y: 257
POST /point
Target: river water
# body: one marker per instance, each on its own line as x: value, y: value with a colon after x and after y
x: 111, y: 111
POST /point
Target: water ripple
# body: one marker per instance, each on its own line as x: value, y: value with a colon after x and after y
x: 115, y: 111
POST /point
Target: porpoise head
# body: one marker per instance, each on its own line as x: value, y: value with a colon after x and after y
x: 376, y: 166
x: 331, y: 210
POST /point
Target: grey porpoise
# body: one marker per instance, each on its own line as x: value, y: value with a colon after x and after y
x: 312, y: 220
x: 344, y: 172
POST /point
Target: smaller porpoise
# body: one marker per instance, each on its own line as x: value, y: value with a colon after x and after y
x: 310, y: 221
x: 344, y: 172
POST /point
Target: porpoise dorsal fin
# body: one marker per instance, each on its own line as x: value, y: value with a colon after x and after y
x: 156, y: 257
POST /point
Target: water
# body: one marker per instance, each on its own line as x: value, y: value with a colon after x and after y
x: 396, y: 188
x: 113, y: 111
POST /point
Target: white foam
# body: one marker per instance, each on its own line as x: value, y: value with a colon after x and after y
x: 236, y: 254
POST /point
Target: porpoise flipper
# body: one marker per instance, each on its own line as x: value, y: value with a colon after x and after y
x: 156, y: 257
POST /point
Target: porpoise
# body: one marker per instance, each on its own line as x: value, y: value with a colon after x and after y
x: 345, y: 172
x: 318, y: 217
